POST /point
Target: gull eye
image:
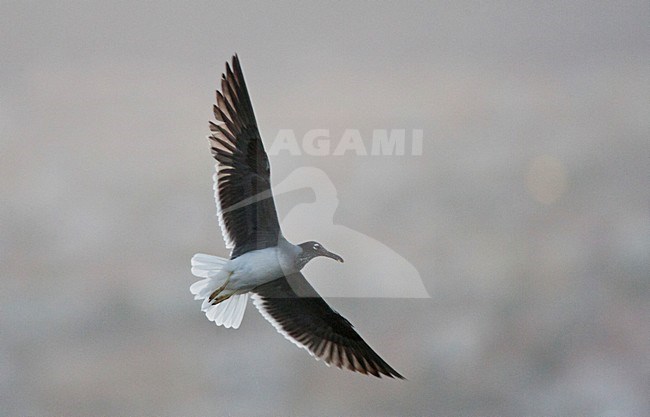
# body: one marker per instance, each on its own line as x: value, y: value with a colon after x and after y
x: 316, y: 246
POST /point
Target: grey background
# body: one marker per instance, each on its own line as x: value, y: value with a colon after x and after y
x: 105, y: 174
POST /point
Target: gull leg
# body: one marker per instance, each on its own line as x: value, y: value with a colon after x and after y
x: 213, y: 297
x: 221, y: 298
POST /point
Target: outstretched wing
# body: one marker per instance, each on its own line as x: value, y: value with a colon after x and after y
x: 296, y: 310
x: 245, y: 206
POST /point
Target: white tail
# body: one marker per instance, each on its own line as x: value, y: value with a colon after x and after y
x: 228, y: 313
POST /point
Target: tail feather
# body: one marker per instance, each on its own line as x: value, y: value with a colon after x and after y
x: 238, y: 314
x: 207, y: 266
x: 204, y: 259
x: 199, y: 288
x: 228, y: 313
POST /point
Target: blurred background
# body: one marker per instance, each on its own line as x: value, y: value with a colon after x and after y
x: 526, y: 216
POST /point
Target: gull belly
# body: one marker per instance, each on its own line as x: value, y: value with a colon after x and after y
x: 258, y: 267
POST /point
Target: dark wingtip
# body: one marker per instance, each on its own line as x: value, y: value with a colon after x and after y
x: 380, y: 373
x: 235, y: 59
x: 382, y: 369
x: 397, y: 375
x: 389, y: 372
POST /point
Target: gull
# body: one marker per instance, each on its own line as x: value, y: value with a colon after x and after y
x: 263, y: 264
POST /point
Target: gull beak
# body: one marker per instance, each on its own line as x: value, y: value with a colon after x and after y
x: 331, y: 255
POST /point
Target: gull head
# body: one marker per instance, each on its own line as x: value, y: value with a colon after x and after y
x: 311, y: 250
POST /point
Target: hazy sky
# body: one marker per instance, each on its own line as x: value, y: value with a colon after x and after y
x: 526, y: 216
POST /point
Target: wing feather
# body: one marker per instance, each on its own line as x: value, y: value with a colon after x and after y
x: 296, y: 310
x: 245, y: 206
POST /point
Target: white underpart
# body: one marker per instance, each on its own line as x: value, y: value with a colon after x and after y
x: 259, y: 303
x: 242, y: 275
x: 215, y: 271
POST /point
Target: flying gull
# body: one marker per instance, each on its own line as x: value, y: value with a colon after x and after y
x: 263, y: 264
